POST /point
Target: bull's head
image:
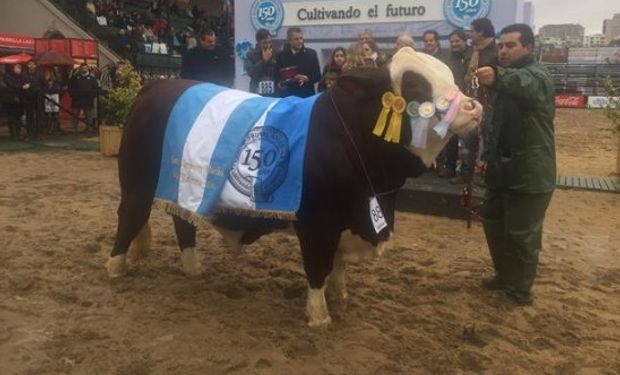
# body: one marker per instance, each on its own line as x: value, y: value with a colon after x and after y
x: 422, y: 106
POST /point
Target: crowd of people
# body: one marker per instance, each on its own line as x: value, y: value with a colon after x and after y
x: 152, y: 31
x: 32, y: 98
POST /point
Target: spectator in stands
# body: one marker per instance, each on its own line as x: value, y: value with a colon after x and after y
x: 372, y: 55
x: 122, y: 44
x: 208, y: 62
x: 333, y: 69
x: 148, y: 35
x: 484, y: 51
x: 364, y: 36
x: 297, y: 67
x: 431, y: 45
x: 14, y: 80
x: 337, y: 60
x: 50, y: 88
x: 83, y: 88
x: 328, y: 80
x: 31, y: 99
x: 261, y: 65
x: 404, y: 40
x: 90, y: 6
x: 190, y: 41
x: 459, y: 52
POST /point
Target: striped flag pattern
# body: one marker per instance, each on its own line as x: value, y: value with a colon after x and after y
x: 233, y: 150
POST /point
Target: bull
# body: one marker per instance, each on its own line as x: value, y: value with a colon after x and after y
x: 347, y: 162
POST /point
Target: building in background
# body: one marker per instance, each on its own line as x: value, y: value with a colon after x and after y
x: 563, y: 35
x: 611, y: 28
x: 595, y: 40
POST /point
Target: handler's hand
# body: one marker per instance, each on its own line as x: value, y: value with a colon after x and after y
x: 302, y: 78
x: 486, y: 76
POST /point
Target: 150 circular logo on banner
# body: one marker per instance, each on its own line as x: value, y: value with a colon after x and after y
x: 460, y: 13
x: 262, y: 163
x: 267, y: 14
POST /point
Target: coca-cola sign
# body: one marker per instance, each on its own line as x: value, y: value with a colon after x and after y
x: 570, y: 101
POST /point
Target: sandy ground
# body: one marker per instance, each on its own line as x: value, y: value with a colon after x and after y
x: 418, y: 309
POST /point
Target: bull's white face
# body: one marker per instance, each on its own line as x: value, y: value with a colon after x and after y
x: 441, y: 82
x: 424, y: 81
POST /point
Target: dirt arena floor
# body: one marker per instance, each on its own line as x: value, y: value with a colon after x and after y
x: 419, y: 309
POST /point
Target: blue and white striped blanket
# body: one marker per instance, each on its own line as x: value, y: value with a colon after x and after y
x: 233, y: 151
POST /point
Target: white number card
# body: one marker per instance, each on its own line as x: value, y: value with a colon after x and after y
x: 266, y: 87
x: 376, y: 215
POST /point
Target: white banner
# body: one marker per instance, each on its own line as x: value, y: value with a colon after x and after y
x: 360, y: 11
x: 601, y: 101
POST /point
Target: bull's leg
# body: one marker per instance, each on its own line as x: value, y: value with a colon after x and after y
x: 231, y: 238
x: 186, y: 237
x: 133, y: 216
x: 318, y: 240
x: 337, y: 286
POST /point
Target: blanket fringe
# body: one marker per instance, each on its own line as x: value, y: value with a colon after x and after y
x: 265, y: 214
x: 180, y: 212
x: 196, y: 219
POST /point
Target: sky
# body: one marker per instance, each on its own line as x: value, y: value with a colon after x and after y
x: 588, y: 13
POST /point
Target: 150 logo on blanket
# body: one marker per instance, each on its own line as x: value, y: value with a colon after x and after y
x: 262, y: 164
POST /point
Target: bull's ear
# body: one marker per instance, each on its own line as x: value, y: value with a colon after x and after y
x: 364, y: 83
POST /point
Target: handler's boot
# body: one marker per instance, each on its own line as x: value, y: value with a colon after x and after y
x: 492, y: 283
x: 494, y: 232
x: 519, y: 274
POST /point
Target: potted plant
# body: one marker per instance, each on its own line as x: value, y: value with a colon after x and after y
x: 116, y: 103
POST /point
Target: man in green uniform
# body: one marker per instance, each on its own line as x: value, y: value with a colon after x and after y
x: 520, y: 154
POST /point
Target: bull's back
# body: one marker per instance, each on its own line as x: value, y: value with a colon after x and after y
x: 140, y: 152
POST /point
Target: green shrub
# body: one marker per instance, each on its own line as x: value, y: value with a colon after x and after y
x: 118, y: 101
x: 612, y: 111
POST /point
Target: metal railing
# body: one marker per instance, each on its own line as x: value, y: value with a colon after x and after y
x: 585, y: 79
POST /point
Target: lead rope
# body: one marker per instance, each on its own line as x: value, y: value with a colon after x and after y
x: 466, y: 192
x: 359, y: 156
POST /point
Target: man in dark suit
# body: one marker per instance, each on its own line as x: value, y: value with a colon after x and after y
x: 297, y: 67
x: 208, y: 62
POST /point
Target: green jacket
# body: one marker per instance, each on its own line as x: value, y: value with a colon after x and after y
x: 520, y: 147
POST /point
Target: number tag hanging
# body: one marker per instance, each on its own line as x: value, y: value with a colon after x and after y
x: 266, y: 87
x: 376, y: 215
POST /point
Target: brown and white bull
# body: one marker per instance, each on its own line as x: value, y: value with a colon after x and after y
x: 345, y: 165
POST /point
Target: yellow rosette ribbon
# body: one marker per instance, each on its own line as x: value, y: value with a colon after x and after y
x: 390, y: 102
x: 398, y: 106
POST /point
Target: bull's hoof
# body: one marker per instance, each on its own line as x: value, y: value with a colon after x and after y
x: 116, y: 266
x: 190, y: 263
x: 319, y: 323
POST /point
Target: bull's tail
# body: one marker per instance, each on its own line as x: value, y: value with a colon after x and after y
x: 141, y: 244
